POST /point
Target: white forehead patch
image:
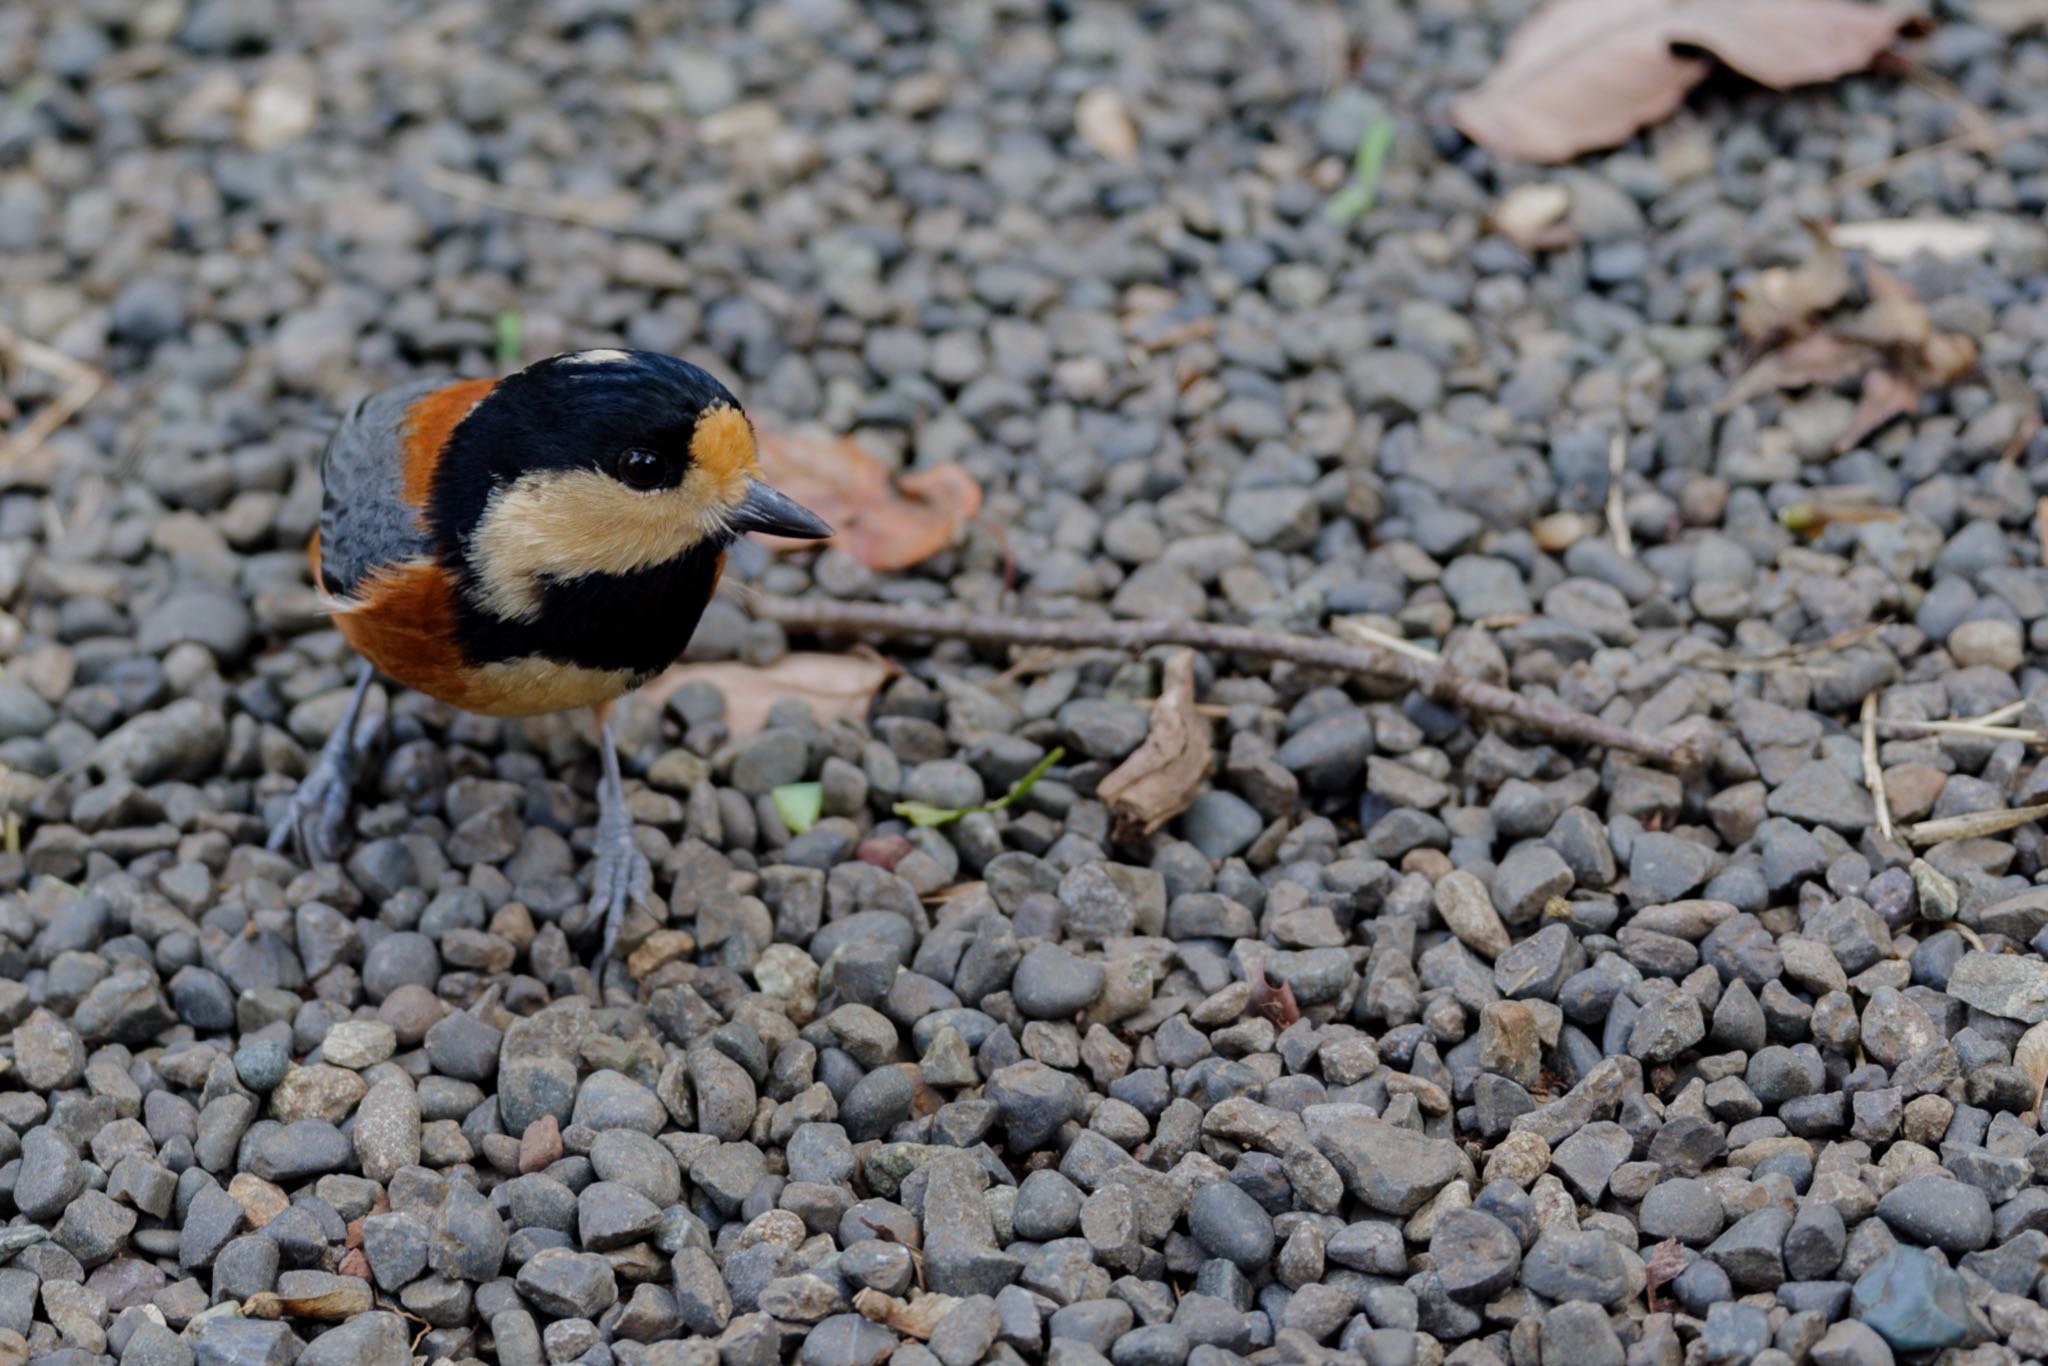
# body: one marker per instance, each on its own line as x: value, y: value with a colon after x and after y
x: 603, y: 355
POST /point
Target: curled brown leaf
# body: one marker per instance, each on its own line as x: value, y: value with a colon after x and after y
x: 1271, y: 1002
x: 1667, y: 1259
x: 1160, y: 778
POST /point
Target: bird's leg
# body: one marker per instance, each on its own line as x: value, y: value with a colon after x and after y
x: 319, y: 809
x: 621, y: 875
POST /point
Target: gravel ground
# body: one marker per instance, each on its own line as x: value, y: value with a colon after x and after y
x: 1595, y: 1064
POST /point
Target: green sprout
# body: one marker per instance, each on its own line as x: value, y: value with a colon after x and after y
x: 925, y: 815
x: 509, y: 327
x: 1362, y: 190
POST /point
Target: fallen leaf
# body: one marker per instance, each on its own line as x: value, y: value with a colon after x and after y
x: 833, y: 686
x: 1160, y: 778
x: 1273, y: 1003
x: 1894, y: 316
x: 1532, y: 217
x: 1901, y: 239
x: 331, y: 1306
x: 1584, y: 74
x: 1885, y: 396
x: 798, y: 804
x: 917, y: 1319
x: 886, y: 521
x: 1666, y: 1260
x: 1946, y: 358
x: 1105, y: 125
x: 2030, y: 1054
x: 1818, y: 358
x: 1786, y: 300
x: 1577, y: 75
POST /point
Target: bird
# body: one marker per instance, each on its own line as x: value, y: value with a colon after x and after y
x: 536, y: 543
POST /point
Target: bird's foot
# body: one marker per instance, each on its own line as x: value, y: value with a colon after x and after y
x: 315, y: 822
x: 620, y: 878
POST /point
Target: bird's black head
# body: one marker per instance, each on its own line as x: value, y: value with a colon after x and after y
x: 603, y: 462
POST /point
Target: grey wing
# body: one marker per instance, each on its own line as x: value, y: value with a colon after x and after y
x: 365, y: 522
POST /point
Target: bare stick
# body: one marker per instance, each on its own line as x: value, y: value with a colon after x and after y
x: 82, y: 381
x: 608, y: 216
x: 1974, y: 825
x: 1355, y: 630
x: 1617, y: 513
x: 2024, y: 734
x: 1976, y: 140
x: 1438, y: 682
x: 1873, y: 774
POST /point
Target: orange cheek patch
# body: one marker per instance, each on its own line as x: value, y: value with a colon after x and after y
x: 722, y: 450
x: 429, y: 422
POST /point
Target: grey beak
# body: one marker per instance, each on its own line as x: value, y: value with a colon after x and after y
x: 768, y: 510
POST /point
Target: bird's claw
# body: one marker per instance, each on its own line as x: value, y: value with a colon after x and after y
x: 621, y: 877
x: 315, y: 821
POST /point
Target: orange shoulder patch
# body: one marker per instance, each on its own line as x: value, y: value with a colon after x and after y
x: 403, y: 621
x: 429, y: 422
x: 313, y: 556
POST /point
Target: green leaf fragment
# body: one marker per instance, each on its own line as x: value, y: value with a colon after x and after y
x: 1362, y: 190
x: 509, y: 327
x: 799, y: 805
x: 924, y: 815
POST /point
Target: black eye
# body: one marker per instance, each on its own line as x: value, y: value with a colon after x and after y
x: 641, y: 468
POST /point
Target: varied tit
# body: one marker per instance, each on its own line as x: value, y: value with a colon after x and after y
x: 531, y: 544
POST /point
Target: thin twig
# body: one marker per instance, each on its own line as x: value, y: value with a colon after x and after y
x: 1873, y: 773
x: 1617, y: 513
x: 555, y: 208
x: 2041, y: 526
x: 1974, y: 825
x: 1976, y: 140
x: 1790, y: 657
x: 1437, y: 682
x: 1999, y: 716
x: 82, y: 381
x: 1355, y: 630
x: 2025, y: 734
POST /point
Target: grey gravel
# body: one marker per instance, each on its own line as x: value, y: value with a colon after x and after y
x: 1555, y: 1004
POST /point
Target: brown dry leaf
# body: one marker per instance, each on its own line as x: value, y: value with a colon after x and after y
x: 333, y: 1306
x: 1667, y: 1259
x: 1274, y: 1003
x: 917, y: 1319
x: 833, y: 685
x: 1945, y: 358
x: 1105, y: 125
x: 886, y: 521
x: 1817, y: 358
x: 1584, y: 74
x: 2030, y: 1054
x: 1893, y: 317
x: 1886, y: 395
x: 1787, y: 300
x: 1160, y: 778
